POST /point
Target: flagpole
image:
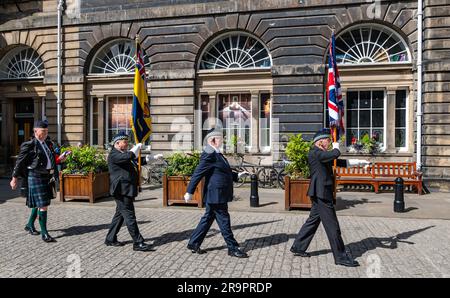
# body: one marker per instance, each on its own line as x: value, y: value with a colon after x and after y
x: 139, y: 155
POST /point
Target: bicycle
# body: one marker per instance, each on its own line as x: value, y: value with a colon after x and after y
x: 153, y: 173
x: 247, y: 167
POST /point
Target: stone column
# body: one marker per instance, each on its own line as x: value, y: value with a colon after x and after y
x: 390, y: 121
x: 101, y: 121
x: 37, y: 108
x: 255, y: 122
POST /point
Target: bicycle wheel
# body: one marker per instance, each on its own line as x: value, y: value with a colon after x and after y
x: 263, y: 177
x: 280, y: 178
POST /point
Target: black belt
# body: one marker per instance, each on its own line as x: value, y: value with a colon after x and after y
x: 42, y: 171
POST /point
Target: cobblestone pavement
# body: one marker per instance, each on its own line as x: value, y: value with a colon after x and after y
x: 386, y: 247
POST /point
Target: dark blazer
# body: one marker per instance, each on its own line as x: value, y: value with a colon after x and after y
x: 218, y: 187
x: 123, y: 173
x: 32, y: 157
x: 321, y: 171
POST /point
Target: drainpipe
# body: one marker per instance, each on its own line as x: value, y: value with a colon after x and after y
x: 419, y: 82
x: 58, y: 102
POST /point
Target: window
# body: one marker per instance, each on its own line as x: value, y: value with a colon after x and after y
x: 235, y: 112
x: 21, y: 63
x: 116, y: 57
x: 371, y: 44
x: 235, y: 51
x: 264, y: 122
x: 365, y: 115
x: 400, y: 119
x: 119, y: 116
x: 94, y: 120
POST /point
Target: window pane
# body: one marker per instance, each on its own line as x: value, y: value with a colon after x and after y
x: 264, y: 121
x: 400, y: 118
x: 364, y: 118
x: 352, y: 136
x: 352, y: 99
x: 364, y: 132
x: 378, y: 135
x: 378, y: 99
x: 377, y: 118
x: 364, y: 99
x: 400, y: 138
x: 352, y: 118
x: 400, y: 99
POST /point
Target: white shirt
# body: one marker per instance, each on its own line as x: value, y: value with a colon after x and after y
x: 49, y: 163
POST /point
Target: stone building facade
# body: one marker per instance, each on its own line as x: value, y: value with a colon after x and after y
x: 257, y: 66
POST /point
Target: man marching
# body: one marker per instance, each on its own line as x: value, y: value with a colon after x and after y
x: 123, y: 180
x: 217, y: 192
x: 36, y: 162
x: 321, y: 193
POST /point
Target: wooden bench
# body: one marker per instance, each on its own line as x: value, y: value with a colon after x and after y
x: 381, y: 173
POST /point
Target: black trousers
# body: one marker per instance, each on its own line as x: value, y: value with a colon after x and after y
x: 322, y: 210
x: 213, y: 212
x: 124, y: 212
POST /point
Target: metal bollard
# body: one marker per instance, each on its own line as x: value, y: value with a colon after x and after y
x: 254, y: 198
x: 399, y: 200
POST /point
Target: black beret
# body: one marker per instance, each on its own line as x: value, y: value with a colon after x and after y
x: 41, y: 124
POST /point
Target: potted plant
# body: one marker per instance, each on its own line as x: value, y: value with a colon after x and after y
x: 367, y: 145
x: 180, y: 166
x: 297, y: 178
x: 85, y: 175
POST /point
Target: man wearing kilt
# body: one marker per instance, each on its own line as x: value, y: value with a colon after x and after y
x: 36, y: 162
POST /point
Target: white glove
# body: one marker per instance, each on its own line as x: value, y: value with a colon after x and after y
x: 136, y: 148
x: 187, y: 197
x: 336, y: 146
x: 240, y: 174
x: 148, y: 158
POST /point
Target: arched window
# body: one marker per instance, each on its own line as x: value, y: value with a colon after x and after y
x: 116, y: 57
x: 235, y: 51
x: 22, y: 62
x: 371, y: 44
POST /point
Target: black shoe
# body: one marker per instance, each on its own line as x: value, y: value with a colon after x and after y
x: 300, y: 253
x: 31, y: 230
x: 142, y: 247
x: 114, y: 243
x: 48, y: 238
x: 236, y: 252
x: 196, y: 249
x: 348, y: 262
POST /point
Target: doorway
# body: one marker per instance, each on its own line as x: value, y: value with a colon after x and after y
x: 23, y: 122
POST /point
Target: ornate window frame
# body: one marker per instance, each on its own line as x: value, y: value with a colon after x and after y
x: 116, y: 57
x: 21, y: 63
x: 371, y: 47
x: 227, y: 52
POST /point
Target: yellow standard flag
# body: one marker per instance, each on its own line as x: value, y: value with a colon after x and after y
x: 140, y: 114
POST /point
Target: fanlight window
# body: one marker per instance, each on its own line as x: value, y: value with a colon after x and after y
x: 370, y: 44
x: 21, y: 63
x: 116, y: 57
x: 235, y: 51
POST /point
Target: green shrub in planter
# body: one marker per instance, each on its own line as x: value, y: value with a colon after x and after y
x: 84, y: 160
x: 297, y: 152
x: 182, y: 164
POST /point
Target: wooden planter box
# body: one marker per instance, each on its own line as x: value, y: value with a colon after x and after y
x: 174, y: 188
x: 90, y: 187
x: 295, y: 193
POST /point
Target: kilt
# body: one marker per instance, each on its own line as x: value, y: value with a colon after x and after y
x: 40, y: 191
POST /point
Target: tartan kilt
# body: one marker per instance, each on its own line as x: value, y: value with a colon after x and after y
x: 40, y: 191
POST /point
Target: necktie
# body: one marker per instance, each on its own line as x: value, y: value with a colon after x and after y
x: 49, y: 155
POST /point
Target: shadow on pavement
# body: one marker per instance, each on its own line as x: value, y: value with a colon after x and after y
x: 359, y: 248
x: 186, y: 234
x: 343, y: 204
x: 80, y: 230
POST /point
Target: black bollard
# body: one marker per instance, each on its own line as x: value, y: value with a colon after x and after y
x: 399, y: 200
x: 254, y: 198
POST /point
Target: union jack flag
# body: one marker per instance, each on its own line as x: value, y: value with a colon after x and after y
x: 334, y: 92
